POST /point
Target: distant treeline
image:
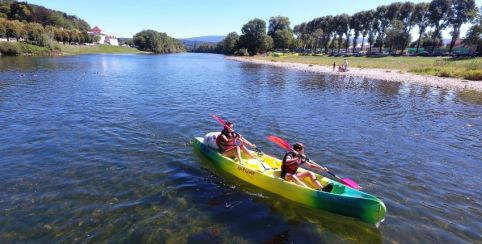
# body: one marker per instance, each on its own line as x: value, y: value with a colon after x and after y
x: 387, y: 26
x: 25, y: 12
x: 157, y: 42
x: 38, y: 26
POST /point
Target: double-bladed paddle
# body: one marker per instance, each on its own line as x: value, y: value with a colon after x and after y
x: 284, y: 144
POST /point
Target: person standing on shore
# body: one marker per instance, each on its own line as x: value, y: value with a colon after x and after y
x: 334, y: 66
x: 345, y: 65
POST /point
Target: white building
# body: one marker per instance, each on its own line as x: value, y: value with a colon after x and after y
x: 104, y: 38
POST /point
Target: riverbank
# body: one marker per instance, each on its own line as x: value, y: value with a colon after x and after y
x: 91, y: 49
x: 397, y: 75
x: 58, y: 49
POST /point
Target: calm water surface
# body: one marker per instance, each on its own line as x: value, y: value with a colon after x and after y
x: 97, y: 147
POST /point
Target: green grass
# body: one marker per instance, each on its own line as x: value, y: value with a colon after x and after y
x: 470, y: 69
x: 82, y: 49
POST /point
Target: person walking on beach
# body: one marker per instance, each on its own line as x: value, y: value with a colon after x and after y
x: 334, y: 66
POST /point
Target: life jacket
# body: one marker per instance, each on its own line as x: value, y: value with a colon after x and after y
x: 221, y: 143
x: 291, y: 168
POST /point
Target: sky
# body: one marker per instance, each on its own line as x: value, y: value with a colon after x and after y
x: 184, y: 18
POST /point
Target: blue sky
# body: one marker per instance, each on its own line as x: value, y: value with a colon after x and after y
x: 183, y: 18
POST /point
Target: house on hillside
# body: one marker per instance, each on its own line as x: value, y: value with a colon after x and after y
x: 104, y: 38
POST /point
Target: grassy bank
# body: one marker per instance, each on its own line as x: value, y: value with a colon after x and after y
x: 470, y: 69
x: 82, y: 49
x: 22, y: 48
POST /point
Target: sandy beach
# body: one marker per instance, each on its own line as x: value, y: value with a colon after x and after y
x: 378, y: 74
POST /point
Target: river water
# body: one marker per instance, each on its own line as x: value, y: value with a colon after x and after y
x: 98, y: 147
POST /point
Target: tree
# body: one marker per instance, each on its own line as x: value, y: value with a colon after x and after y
x: 3, y: 27
x: 356, y: 23
x: 34, y: 31
x: 385, y: 15
x: 266, y: 44
x: 326, y: 25
x: 278, y: 23
x: 368, y: 19
x: 299, y: 31
x: 253, y: 35
x: 474, y: 35
x: 408, y: 20
x: 421, y: 18
x: 342, y: 23
x: 14, y: 29
x: 280, y: 31
x: 153, y: 41
x: 440, y: 12
x: 282, y: 38
x: 396, y: 36
x: 384, y: 21
x: 463, y: 11
x: 20, y: 11
x: 229, y: 44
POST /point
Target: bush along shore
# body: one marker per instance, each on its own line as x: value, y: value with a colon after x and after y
x: 23, y: 48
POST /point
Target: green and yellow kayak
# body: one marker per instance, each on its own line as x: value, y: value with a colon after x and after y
x: 265, y: 173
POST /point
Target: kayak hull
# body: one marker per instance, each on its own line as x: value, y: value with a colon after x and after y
x: 265, y: 175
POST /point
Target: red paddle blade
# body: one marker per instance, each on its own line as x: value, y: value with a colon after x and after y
x: 351, y: 183
x: 280, y: 142
x: 218, y: 119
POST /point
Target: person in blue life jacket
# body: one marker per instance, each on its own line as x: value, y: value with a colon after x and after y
x: 292, y: 161
x: 231, y: 143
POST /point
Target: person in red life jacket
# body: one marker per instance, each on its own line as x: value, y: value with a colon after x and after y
x: 231, y: 143
x: 292, y: 161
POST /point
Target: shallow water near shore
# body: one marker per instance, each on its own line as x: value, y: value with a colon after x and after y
x: 98, y: 147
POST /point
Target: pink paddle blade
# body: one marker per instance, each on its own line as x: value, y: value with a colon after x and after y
x: 218, y: 119
x: 280, y: 142
x: 351, y: 183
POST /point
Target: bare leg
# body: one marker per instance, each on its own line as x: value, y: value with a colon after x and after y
x: 238, y: 152
x: 295, y: 178
x: 245, y: 150
x: 312, y: 176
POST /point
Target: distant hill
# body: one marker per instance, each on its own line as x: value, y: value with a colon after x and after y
x: 193, y: 42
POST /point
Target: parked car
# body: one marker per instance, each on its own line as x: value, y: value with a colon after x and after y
x: 377, y: 54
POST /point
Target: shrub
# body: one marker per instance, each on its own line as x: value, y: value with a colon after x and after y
x: 473, y: 75
x: 473, y: 65
x: 445, y: 73
x: 10, y: 48
x: 242, y: 52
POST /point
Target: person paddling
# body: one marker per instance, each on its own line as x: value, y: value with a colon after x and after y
x: 231, y: 143
x: 292, y: 161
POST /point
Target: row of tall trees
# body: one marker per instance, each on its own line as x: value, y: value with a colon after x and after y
x: 387, y: 26
x: 256, y: 38
x: 157, y: 42
x: 37, y: 34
